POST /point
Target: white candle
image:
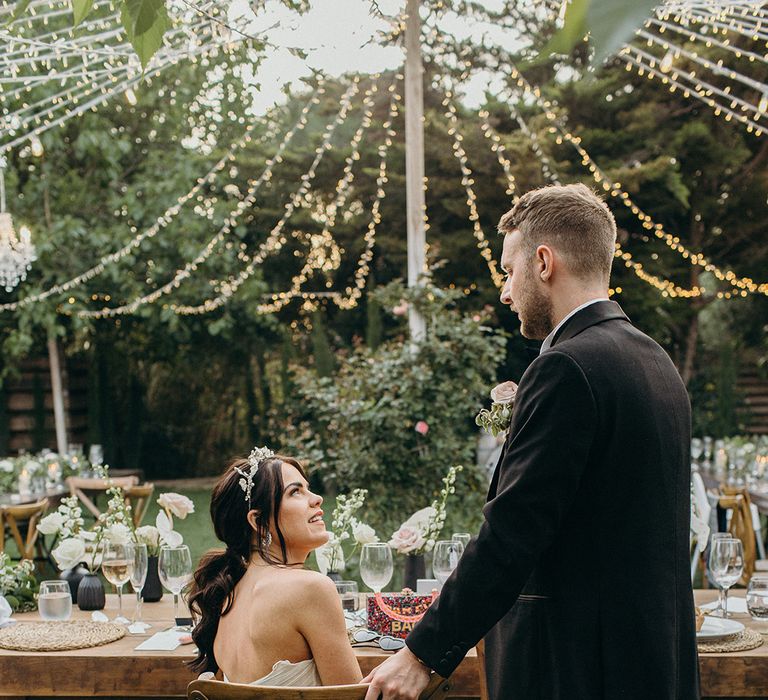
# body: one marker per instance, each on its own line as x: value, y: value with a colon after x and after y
x: 24, y: 481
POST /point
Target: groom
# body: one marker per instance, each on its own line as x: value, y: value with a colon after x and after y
x: 579, y: 577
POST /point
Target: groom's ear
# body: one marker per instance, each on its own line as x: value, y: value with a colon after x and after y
x: 545, y: 259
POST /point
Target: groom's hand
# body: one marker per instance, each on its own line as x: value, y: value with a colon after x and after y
x: 401, y: 677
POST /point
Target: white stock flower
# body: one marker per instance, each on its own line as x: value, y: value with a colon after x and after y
x: 504, y: 392
x: 148, y: 535
x: 179, y: 505
x: 50, y: 524
x: 364, y: 534
x: 69, y: 553
x: 118, y: 534
x: 167, y: 534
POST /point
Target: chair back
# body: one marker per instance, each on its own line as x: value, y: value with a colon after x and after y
x: 139, y: 497
x: 78, y: 486
x: 218, y: 690
x: 737, y: 500
x: 480, y: 649
x: 23, y: 517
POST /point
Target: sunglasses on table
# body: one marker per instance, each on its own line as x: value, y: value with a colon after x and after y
x: 369, y: 638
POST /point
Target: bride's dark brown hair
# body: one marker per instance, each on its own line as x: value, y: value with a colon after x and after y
x: 211, y: 593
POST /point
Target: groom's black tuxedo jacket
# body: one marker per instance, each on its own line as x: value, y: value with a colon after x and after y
x: 579, y: 578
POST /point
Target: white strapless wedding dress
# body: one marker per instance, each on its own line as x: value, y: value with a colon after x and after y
x: 284, y: 673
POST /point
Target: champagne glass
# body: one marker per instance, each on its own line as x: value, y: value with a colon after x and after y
x: 175, y: 569
x: 117, y: 566
x: 726, y: 562
x: 446, y: 558
x: 138, y: 578
x: 376, y: 566
x: 54, y: 601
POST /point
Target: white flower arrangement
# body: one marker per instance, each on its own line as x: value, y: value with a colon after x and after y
x: 330, y: 557
x: 499, y: 417
x: 419, y: 533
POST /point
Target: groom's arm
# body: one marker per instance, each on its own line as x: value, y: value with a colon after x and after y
x: 553, y: 428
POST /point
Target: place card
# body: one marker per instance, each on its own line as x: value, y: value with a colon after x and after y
x: 735, y: 605
x: 168, y: 640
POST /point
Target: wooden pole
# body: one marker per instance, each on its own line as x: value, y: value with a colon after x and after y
x: 414, y: 160
x: 58, y: 395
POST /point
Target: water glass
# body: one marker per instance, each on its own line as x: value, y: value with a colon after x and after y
x: 463, y: 537
x: 54, y: 602
x: 445, y: 558
x: 138, y: 578
x: 117, y: 565
x: 376, y: 566
x: 757, y: 597
x: 347, y: 591
x: 726, y: 563
x: 174, y: 567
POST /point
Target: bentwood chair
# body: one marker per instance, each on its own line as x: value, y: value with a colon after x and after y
x: 138, y: 497
x: 21, y: 522
x: 218, y: 690
x: 480, y: 649
x: 81, y: 487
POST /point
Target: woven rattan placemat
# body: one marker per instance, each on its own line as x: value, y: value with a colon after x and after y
x: 742, y: 641
x: 59, y: 636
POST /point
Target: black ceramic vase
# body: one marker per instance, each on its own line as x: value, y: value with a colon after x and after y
x: 415, y: 568
x: 73, y: 577
x: 90, y: 593
x: 153, y: 589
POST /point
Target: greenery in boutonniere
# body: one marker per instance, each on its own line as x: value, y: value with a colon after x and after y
x: 499, y: 417
x: 17, y: 583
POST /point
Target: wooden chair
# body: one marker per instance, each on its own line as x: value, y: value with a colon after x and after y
x: 22, y: 523
x: 218, y: 690
x: 480, y: 649
x: 79, y: 485
x: 138, y: 497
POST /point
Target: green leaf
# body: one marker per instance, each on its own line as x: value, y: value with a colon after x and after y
x: 80, y: 9
x: 21, y: 8
x: 572, y: 32
x: 613, y: 24
x: 145, y: 23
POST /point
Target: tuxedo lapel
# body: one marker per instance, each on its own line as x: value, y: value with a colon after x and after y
x: 593, y: 314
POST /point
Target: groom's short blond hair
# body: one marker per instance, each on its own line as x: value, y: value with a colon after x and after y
x: 573, y: 220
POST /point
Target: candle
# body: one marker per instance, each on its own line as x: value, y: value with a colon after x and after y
x: 24, y: 481
x: 54, y: 472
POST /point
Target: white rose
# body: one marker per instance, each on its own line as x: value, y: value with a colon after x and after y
x: 50, y: 524
x: 364, y: 534
x: 32, y: 466
x: 504, y: 392
x: 407, y: 539
x: 148, y: 535
x: 179, y: 505
x: 118, y: 534
x: 6, y: 466
x: 69, y: 553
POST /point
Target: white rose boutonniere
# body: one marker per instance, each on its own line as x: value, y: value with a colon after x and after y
x: 498, y: 418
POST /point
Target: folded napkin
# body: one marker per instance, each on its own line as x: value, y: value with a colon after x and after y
x: 167, y: 640
x: 735, y: 605
x: 5, y: 612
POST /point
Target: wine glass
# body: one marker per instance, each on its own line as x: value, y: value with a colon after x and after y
x: 54, y: 602
x: 463, y: 537
x: 117, y: 565
x: 726, y: 562
x: 445, y: 558
x: 175, y: 568
x: 138, y: 578
x: 376, y: 565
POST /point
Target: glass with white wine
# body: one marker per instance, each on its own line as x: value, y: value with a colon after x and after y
x: 117, y: 566
x: 54, y: 602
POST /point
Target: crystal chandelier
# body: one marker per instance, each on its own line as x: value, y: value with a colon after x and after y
x: 16, y: 252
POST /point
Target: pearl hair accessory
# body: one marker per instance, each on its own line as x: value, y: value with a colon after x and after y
x: 258, y: 455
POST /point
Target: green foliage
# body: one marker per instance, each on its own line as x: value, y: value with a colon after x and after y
x: 18, y: 584
x: 360, y: 427
x: 80, y: 10
x: 145, y: 22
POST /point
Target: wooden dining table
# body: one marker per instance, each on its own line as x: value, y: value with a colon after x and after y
x: 117, y: 670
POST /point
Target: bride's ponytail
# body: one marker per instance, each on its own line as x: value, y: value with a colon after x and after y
x: 212, y: 591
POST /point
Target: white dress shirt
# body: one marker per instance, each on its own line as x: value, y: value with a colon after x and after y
x: 548, y: 340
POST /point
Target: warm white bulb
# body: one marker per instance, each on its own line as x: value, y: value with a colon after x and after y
x: 36, y: 145
x: 130, y: 96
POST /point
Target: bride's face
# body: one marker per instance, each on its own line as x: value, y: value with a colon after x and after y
x: 300, y: 519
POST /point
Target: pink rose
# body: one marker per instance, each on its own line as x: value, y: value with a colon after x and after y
x: 407, y: 539
x: 401, y: 309
x: 422, y: 427
x: 504, y: 392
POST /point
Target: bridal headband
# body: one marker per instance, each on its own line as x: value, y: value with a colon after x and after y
x: 258, y: 455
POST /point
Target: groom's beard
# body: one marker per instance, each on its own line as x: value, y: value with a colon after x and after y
x: 535, y: 312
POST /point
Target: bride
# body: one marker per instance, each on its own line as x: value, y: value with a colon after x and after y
x: 263, y: 618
